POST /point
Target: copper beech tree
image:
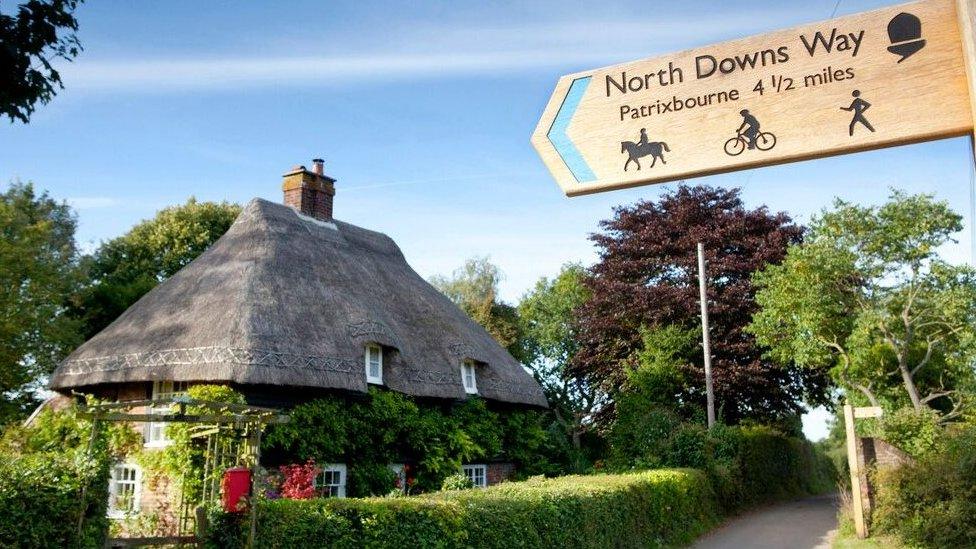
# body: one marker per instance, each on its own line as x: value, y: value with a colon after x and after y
x: 647, y: 279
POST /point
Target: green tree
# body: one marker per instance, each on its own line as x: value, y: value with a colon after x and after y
x: 38, y: 268
x: 549, y: 341
x: 474, y: 288
x: 867, y: 297
x: 41, y: 32
x: 123, y: 269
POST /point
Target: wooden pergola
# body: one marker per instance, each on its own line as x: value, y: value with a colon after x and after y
x: 212, y: 419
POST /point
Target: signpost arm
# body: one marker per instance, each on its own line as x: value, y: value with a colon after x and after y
x: 706, y: 346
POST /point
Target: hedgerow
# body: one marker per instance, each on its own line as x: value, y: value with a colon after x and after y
x: 746, y: 465
x: 644, y: 509
x: 932, y: 502
x: 43, y: 471
x: 40, y: 501
x: 736, y: 468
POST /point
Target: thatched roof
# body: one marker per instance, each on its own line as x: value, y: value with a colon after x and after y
x: 286, y: 300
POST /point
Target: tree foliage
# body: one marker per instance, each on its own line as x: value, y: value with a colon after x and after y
x: 123, y: 269
x: 41, y: 32
x: 647, y: 278
x: 549, y: 343
x: 474, y: 288
x: 38, y: 269
x: 868, y: 298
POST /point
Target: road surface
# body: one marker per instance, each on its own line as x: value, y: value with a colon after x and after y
x: 803, y: 524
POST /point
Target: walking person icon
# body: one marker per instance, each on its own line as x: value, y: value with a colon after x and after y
x: 858, y: 106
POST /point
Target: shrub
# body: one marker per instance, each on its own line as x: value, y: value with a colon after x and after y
x: 647, y: 509
x: 932, y: 502
x: 457, y: 482
x: 299, y: 481
x: 746, y: 465
x: 43, y: 468
x: 40, y: 505
x: 915, y: 432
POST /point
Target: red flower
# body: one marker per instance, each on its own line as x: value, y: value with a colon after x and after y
x: 299, y: 480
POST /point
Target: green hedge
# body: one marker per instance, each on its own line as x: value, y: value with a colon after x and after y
x: 735, y: 468
x: 773, y: 467
x: 747, y: 466
x: 40, y: 502
x: 932, y: 502
x: 646, y: 509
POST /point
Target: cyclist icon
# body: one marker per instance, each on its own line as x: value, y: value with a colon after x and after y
x: 749, y: 127
x: 749, y: 136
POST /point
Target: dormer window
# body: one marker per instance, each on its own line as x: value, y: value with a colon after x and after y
x: 374, y: 364
x: 468, y: 378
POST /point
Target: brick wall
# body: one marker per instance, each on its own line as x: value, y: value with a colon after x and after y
x: 874, y: 453
x: 499, y: 472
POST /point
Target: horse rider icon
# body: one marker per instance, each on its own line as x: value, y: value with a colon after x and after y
x: 642, y: 142
x: 643, y: 147
x: 858, y: 106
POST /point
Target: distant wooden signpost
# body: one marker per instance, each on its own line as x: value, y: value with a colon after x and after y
x: 857, y: 504
x: 887, y: 77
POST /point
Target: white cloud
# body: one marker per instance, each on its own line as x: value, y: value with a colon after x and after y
x: 422, y: 52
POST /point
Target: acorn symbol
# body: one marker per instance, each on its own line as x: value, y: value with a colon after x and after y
x: 905, y: 33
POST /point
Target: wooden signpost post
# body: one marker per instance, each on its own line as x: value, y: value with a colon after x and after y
x: 850, y: 414
x: 887, y: 77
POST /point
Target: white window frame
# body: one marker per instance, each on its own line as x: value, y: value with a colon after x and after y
x: 368, y: 362
x: 400, y: 471
x: 476, y: 472
x: 156, y: 430
x: 113, y: 490
x: 468, y: 367
x: 333, y: 489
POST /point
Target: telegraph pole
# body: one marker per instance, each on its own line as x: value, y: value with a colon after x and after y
x: 706, y: 346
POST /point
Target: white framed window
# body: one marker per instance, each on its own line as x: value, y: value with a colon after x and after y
x: 124, y: 490
x: 168, y: 389
x: 400, y: 480
x: 156, y: 430
x: 374, y: 364
x: 331, y: 482
x: 468, y: 377
x: 477, y: 474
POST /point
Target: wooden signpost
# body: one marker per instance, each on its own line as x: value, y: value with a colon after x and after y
x: 853, y: 463
x: 876, y: 79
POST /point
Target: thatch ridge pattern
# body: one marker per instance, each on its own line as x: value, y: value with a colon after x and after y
x: 207, y: 355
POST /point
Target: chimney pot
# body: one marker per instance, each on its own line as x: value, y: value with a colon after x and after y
x: 318, y: 166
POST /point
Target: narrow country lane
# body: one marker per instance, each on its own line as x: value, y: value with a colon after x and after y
x: 802, y: 524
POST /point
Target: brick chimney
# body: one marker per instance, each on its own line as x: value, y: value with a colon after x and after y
x: 310, y: 192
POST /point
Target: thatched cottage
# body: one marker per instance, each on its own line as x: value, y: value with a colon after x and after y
x: 288, y: 305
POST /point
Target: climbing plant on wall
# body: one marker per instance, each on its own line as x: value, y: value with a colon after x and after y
x: 387, y: 427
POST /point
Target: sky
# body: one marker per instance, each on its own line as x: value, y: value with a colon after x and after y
x: 421, y: 110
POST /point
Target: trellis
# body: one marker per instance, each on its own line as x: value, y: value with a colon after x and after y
x: 211, y: 421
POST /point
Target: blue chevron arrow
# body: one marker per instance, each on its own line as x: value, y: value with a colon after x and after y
x: 560, y: 139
